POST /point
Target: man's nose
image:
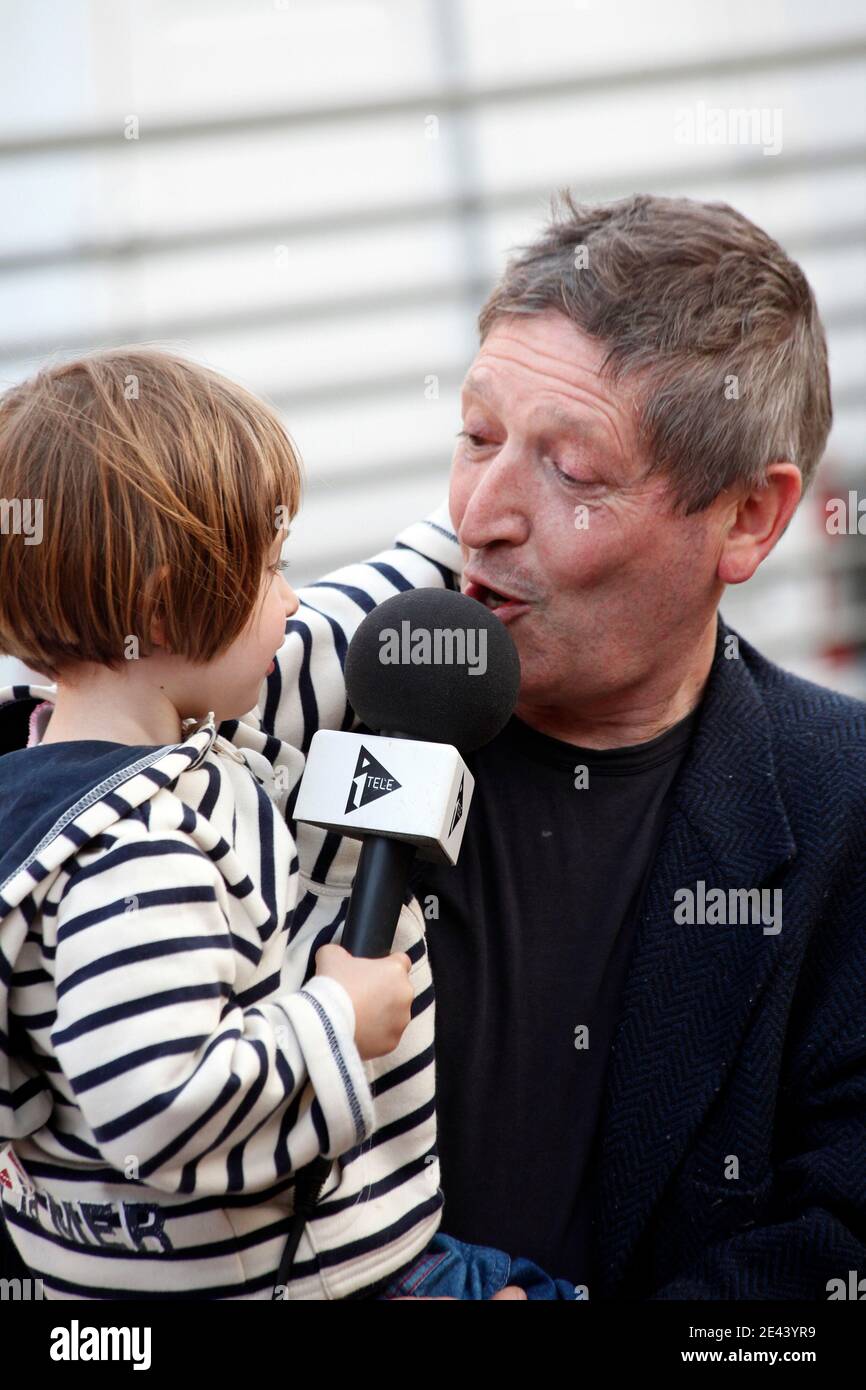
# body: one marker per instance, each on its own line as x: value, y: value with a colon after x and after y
x: 497, y: 507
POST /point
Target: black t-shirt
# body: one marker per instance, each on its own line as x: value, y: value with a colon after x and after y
x: 530, y: 948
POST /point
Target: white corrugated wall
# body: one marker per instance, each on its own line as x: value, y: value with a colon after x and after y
x: 315, y: 195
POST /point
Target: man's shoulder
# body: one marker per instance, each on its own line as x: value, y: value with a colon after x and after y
x: 803, y: 710
x: 818, y: 738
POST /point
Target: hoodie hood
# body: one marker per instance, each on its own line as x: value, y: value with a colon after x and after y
x: 54, y: 798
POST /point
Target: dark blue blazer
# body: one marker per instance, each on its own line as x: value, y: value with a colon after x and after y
x: 738, y: 1044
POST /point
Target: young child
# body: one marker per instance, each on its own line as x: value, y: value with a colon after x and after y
x: 180, y: 1031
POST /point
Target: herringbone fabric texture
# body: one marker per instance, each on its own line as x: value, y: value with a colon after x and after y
x: 733, y: 1145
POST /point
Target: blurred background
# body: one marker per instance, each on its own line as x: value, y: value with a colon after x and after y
x: 314, y: 196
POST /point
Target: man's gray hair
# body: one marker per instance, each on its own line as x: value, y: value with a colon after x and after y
x: 715, y: 327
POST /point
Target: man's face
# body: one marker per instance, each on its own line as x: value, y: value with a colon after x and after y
x: 552, y: 506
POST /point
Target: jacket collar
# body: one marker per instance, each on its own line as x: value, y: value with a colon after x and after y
x: 691, y: 989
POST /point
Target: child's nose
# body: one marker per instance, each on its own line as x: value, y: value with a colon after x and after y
x: 292, y: 601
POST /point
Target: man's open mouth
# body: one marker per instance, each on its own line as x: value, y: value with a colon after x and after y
x: 493, y: 598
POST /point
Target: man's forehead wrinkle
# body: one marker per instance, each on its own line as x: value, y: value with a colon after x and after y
x: 585, y: 392
x: 558, y: 417
x: 530, y: 351
x: 475, y: 385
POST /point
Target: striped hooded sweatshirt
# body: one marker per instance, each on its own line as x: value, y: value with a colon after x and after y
x: 168, y: 1059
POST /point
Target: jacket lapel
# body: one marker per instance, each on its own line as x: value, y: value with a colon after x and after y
x: 690, y: 988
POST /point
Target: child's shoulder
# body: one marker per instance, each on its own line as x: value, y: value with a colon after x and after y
x: 277, y: 766
x: 65, y: 806
x: 212, y: 833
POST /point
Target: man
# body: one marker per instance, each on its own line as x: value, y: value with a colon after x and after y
x: 650, y: 959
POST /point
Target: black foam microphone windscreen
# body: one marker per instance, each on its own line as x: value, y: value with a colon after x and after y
x: 433, y: 664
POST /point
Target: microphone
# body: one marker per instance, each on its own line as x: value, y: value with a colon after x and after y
x: 437, y: 674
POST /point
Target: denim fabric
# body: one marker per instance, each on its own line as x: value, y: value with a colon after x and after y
x: 450, y: 1267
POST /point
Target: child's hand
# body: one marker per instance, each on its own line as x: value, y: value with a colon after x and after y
x: 380, y: 992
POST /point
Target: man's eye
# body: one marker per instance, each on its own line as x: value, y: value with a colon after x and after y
x: 568, y: 477
x: 475, y: 441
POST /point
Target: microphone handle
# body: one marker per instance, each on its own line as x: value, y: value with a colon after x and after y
x: 377, y: 896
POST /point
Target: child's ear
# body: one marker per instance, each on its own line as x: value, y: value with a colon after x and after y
x: 157, y: 633
x: 152, y: 588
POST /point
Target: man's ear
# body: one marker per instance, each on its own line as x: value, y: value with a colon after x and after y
x: 758, y: 522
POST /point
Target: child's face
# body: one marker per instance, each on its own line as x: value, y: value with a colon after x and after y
x: 234, y: 678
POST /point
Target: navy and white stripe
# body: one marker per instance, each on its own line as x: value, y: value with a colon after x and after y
x: 167, y: 1058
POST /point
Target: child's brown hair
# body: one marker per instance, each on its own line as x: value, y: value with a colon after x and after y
x: 162, y: 487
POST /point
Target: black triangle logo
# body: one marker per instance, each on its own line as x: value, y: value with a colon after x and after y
x: 458, y: 809
x: 371, y: 780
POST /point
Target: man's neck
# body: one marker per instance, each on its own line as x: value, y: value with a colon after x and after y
x: 621, y: 719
